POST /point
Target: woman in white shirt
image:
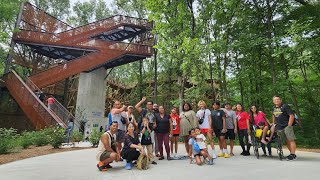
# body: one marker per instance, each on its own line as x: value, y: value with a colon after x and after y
x: 204, y: 118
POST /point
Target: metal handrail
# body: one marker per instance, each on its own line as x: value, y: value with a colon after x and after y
x: 58, y: 109
x: 62, y: 30
x: 37, y: 105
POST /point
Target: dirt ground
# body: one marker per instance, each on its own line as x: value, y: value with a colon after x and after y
x: 34, y: 151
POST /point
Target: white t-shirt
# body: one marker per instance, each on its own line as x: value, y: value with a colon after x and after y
x: 204, y: 114
x: 201, y: 141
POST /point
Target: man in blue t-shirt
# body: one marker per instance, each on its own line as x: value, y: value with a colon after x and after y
x: 284, y: 118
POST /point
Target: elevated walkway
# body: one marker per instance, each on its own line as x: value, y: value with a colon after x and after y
x: 108, y: 43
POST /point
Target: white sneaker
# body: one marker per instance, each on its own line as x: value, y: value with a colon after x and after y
x: 214, y: 156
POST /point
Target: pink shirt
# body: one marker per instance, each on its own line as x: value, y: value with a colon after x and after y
x: 50, y: 100
x: 260, y: 117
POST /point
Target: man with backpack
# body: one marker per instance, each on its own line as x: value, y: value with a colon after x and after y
x: 284, y: 119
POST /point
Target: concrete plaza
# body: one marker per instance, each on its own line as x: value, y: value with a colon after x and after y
x: 81, y: 164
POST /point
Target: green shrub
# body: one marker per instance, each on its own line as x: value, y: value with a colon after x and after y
x: 26, y: 139
x: 313, y: 142
x: 40, y: 138
x: 56, y: 136
x: 77, y: 136
x: 95, y: 137
x: 7, y: 140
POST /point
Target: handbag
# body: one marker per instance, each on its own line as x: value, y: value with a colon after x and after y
x: 195, y: 146
x: 123, y: 120
x: 202, y: 119
x: 143, y: 162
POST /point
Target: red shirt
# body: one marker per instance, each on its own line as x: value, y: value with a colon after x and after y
x: 50, y: 100
x: 175, y: 123
x: 242, y: 118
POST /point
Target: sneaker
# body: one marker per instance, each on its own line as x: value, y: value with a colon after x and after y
x: 153, y: 162
x: 169, y: 158
x: 108, y: 166
x: 294, y: 157
x: 158, y: 155
x: 226, y: 155
x: 161, y: 158
x: 101, y: 166
x: 246, y: 153
x: 220, y: 155
x: 128, y: 166
x: 211, y: 161
x: 214, y: 156
x: 243, y: 152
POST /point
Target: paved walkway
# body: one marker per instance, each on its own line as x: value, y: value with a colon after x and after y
x: 81, y: 164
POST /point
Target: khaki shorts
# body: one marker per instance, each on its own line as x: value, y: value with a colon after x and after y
x: 105, y: 155
x: 287, y: 134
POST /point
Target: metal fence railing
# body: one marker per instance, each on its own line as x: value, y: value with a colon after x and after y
x: 57, y: 108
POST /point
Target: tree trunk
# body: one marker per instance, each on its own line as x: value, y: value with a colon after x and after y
x: 291, y: 90
x: 155, y: 76
x: 269, y: 36
x: 181, y: 83
x: 224, y: 78
x: 140, y: 78
x: 240, y: 83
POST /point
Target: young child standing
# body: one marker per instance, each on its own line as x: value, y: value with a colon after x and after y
x: 146, y: 142
x: 201, y: 141
x: 175, y: 121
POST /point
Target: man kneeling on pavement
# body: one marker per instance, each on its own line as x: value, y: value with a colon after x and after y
x: 107, y: 148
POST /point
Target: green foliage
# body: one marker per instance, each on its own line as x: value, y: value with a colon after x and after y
x: 7, y: 140
x: 84, y: 13
x: 77, y: 136
x: 95, y: 136
x: 56, y: 8
x: 26, y: 139
x: 40, y: 138
x: 56, y: 136
x: 252, y: 49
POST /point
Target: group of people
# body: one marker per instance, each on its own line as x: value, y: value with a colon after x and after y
x: 129, y: 137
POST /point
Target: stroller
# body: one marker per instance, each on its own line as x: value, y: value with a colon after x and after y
x: 256, y: 143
